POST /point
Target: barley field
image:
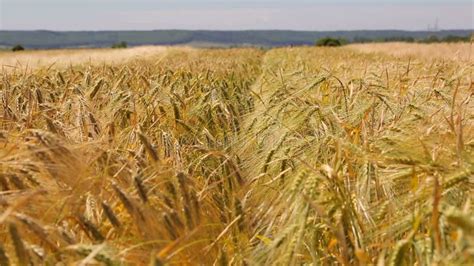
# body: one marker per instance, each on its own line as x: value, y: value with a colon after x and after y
x: 288, y: 156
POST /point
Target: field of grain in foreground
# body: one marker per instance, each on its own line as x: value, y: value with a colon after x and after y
x: 242, y: 156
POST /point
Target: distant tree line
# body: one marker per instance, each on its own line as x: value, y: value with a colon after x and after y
x: 334, y: 42
x: 429, y: 39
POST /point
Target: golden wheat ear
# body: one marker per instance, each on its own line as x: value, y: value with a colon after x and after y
x: 22, y: 254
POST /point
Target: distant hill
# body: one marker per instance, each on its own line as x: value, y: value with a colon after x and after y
x: 51, y: 39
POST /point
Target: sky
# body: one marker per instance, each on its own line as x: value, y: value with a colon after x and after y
x: 319, y: 15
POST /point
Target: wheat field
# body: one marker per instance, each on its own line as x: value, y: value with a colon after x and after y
x: 64, y: 58
x: 460, y: 52
x: 288, y: 156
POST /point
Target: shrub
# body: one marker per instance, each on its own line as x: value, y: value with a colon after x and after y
x: 120, y: 45
x: 17, y: 48
x: 332, y: 42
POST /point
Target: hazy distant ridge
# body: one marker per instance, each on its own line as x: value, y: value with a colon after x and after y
x: 51, y: 39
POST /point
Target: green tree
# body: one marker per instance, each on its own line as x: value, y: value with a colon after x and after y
x: 18, y: 48
x: 120, y: 45
x: 331, y: 42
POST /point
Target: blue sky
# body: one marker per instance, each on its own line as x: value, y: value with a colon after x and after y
x: 234, y: 14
